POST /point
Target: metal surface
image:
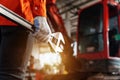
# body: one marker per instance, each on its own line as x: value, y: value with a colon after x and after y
x: 15, y: 18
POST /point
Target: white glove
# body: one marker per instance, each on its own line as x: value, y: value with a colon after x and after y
x: 42, y: 29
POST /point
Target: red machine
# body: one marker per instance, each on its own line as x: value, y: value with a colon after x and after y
x: 98, y: 41
x: 98, y: 37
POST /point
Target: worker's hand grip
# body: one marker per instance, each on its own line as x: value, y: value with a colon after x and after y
x: 42, y: 29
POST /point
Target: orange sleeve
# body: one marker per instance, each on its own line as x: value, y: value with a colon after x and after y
x: 33, y: 8
x: 26, y: 10
x: 38, y: 7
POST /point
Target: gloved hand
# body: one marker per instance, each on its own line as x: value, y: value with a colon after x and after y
x: 42, y: 29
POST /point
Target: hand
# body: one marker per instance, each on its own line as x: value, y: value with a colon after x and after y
x: 42, y: 29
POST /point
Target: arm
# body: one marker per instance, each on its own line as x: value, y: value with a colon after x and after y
x: 38, y: 7
x: 43, y: 31
x: 26, y: 10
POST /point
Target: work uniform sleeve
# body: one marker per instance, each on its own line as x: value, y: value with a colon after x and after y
x: 33, y: 8
x: 38, y: 7
x: 26, y: 10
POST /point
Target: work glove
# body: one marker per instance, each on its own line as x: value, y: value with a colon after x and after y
x: 42, y: 29
x: 44, y: 34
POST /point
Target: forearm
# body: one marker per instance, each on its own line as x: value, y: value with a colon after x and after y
x: 38, y: 8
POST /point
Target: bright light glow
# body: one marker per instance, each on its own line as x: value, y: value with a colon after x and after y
x: 44, y: 59
x: 50, y: 59
x: 49, y: 62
